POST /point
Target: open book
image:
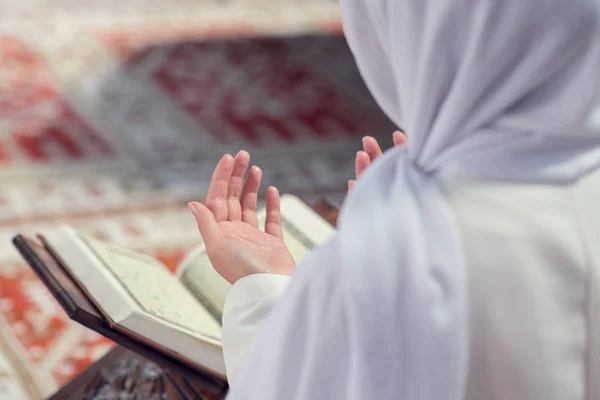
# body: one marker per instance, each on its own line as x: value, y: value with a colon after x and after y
x: 180, y: 315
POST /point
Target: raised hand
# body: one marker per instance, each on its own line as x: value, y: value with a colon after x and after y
x: 371, y: 150
x: 228, y: 223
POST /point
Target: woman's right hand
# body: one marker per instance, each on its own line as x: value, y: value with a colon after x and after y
x: 371, y: 151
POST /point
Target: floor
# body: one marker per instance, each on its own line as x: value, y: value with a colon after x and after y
x: 112, y: 127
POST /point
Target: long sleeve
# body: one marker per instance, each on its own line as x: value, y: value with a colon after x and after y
x: 248, y: 303
x: 301, y: 348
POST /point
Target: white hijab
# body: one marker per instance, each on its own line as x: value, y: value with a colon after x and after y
x: 484, y: 89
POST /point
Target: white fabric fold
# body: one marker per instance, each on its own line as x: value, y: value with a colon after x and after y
x: 486, y: 89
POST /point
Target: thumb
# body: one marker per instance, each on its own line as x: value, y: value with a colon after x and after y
x: 207, y: 224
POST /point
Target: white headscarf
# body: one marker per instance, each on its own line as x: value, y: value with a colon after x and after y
x: 490, y: 89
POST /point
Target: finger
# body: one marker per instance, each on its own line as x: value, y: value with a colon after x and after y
x: 240, y: 165
x: 351, y: 184
x: 399, y: 138
x: 273, y: 220
x: 250, y: 196
x: 371, y: 147
x: 216, y: 198
x: 207, y: 224
x: 362, y: 162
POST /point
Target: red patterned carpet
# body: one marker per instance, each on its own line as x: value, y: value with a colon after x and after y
x: 112, y: 133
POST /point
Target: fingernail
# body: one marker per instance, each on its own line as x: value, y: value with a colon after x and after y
x: 192, y: 208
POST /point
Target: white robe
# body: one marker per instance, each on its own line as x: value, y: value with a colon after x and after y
x: 489, y: 90
x: 534, y: 287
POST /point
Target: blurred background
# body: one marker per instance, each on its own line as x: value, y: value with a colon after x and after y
x: 113, y: 115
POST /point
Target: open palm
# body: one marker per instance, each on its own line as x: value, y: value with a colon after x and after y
x: 229, y: 227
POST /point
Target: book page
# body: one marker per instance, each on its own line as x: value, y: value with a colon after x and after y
x: 302, y: 230
x: 156, y: 291
x: 204, y: 282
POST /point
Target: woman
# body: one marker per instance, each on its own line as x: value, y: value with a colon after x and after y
x: 466, y: 264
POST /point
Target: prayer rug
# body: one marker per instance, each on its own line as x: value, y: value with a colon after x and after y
x: 113, y: 116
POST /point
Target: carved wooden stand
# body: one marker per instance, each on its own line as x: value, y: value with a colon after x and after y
x: 125, y: 375
x: 132, y: 370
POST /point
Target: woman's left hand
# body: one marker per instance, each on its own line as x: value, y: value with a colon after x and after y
x: 228, y: 223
